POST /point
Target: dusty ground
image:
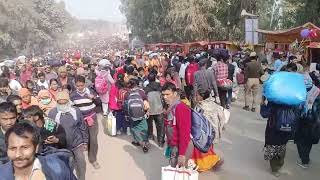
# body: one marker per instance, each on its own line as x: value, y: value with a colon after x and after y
x: 241, y: 148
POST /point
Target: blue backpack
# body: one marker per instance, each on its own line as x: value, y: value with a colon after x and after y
x: 286, y: 117
x: 265, y: 110
x: 202, y: 132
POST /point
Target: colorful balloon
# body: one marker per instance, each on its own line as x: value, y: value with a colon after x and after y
x: 305, y: 33
x: 313, y: 33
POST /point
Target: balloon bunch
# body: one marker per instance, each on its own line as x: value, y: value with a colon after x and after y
x: 313, y: 33
x: 309, y: 33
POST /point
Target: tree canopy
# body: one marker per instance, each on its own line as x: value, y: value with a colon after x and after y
x: 189, y: 20
x: 29, y: 26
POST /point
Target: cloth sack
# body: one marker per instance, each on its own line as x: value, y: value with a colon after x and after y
x: 227, y: 115
x: 285, y: 88
x: 225, y: 84
x: 170, y: 173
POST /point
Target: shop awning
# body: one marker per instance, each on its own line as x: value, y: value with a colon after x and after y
x: 314, y: 45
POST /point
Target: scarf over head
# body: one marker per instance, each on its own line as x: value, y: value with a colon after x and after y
x: 66, y: 108
x: 25, y: 92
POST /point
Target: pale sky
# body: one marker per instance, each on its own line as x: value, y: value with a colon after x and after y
x: 95, y: 9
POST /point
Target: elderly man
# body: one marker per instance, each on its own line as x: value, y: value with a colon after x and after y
x: 71, y: 119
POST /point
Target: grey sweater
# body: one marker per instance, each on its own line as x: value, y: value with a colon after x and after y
x: 205, y: 79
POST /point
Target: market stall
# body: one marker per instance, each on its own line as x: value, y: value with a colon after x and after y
x: 295, y: 39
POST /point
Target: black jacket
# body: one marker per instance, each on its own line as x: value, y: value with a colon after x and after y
x: 308, y: 126
x: 152, y: 86
x: 231, y: 69
x: 57, y: 131
x: 3, y: 149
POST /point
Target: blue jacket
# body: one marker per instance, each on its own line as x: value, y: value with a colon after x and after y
x: 55, y: 166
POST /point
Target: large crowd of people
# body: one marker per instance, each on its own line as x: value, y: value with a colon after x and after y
x: 49, y: 111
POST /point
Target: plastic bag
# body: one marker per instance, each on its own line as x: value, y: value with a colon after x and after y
x: 111, y: 125
x: 170, y: 173
x: 285, y: 88
x: 225, y: 84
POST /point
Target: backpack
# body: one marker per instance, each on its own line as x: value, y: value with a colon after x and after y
x: 286, y: 118
x: 134, y: 106
x: 202, y: 131
x: 191, y: 69
x: 121, y: 96
x: 101, y: 85
x: 264, y: 110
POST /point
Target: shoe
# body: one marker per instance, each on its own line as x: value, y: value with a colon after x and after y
x: 303, y: 166
x: 246, y: 108
x: 161, y: 145
x: 119, y: 132
x: 96, y: 165
x: 218, y: 165
x: 228, y: 107
x: 151, y: 137
x: 135, y: 143
x: 253, y: 109
x: 128, y: 131
x: 145, y: 149
x: 276, y: 174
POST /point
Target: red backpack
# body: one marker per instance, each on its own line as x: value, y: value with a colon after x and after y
x: 121, y: 96
x: 191, y: 69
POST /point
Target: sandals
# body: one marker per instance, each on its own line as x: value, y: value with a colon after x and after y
x: 96, y: 165
x: 145, y: 149
x: 135, y: 143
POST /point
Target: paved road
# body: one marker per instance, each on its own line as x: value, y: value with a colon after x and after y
x: 241, y: 147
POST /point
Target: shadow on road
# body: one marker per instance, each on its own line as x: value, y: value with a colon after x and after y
x: 150, y: 163
x: 104, y: 124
